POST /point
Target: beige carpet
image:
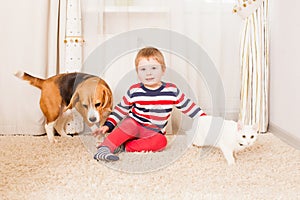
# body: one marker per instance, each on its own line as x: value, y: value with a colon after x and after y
x: 31, y: 168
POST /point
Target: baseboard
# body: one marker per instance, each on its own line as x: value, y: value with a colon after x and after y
x: 284, y: 135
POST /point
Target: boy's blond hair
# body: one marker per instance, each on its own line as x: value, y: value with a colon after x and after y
x: 150, y: 52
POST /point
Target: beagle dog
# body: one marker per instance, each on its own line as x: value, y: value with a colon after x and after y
x: 89, y: 94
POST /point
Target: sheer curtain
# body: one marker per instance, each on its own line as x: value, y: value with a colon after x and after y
x: 254, y: 62
x: 209, y: 23
x: 29, y: 42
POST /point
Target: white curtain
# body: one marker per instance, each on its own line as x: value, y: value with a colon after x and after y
x: 254, y: 62
x: 29, y: 42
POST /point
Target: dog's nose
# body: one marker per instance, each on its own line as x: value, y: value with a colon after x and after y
x: 92, y: 119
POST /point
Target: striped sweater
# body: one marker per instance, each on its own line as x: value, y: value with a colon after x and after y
x: 152, y: 108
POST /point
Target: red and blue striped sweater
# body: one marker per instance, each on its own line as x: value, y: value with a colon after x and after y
x: 152, y: 108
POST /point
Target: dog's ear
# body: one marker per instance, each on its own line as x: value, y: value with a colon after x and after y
x: 107, y: 99
x: 74, y: 99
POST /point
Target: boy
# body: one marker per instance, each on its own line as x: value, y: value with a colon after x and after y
x: 144, y: 109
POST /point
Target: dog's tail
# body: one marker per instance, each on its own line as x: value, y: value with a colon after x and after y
x: 37, y: 82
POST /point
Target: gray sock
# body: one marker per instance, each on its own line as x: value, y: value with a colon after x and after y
x: 104, y: 153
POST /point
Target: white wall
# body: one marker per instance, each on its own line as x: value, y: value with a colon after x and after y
x: 212, y: 26
x: 284, y: 67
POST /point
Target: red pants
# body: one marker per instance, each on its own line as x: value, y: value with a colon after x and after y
x: 136, y: 138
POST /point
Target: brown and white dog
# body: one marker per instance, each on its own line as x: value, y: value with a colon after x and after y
x: 89, y: 94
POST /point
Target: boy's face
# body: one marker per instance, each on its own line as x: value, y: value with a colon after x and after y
x: 150, y: 73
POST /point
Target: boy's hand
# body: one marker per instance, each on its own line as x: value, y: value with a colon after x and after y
x: 101, y: 130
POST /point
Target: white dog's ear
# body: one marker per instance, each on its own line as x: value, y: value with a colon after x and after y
x: 74, y: 99
x: 240, y: 125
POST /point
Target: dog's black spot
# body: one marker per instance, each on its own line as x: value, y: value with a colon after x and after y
x: 69, y: 83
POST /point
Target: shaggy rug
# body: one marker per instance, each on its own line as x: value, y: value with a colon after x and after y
x: 31, y: 168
